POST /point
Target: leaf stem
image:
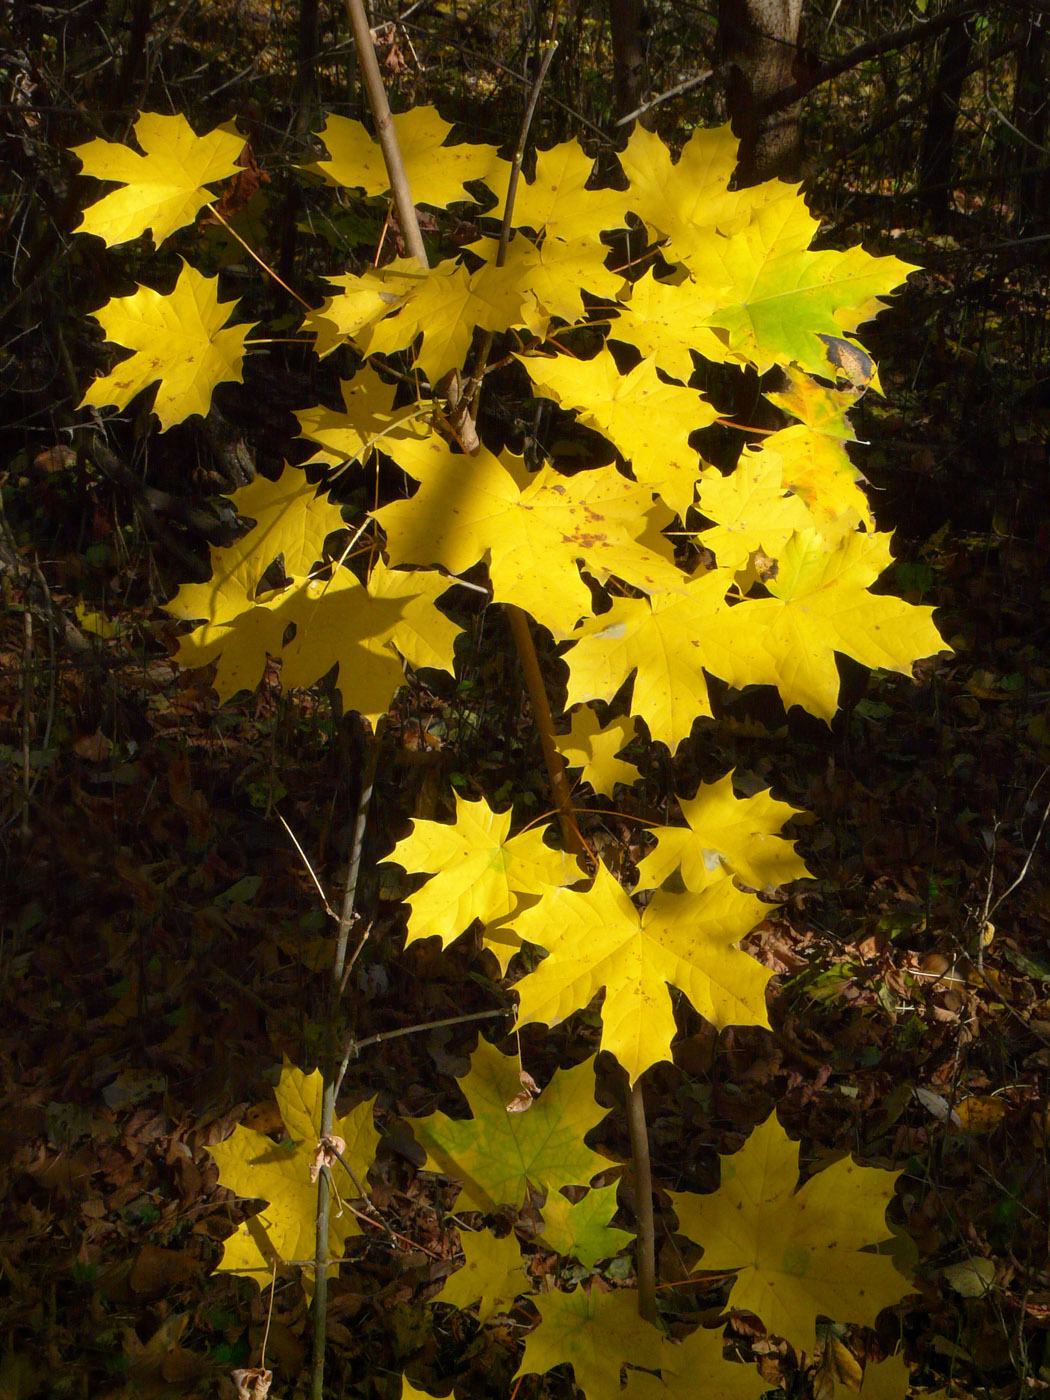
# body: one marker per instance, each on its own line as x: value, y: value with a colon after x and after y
x: 645, y: 1252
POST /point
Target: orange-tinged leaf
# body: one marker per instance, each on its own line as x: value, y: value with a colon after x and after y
x: 646, y: 419
x: 600, y: 939
x: 492, y: 1274
x: 180, y: 338
x: 725, y: 835
x: 165, y: 188
x: 531, y: 527
x: 479, y: 871
x: 593, y: 749
x: 820, y: 604
x: 817, y: 467
x: 254, y: 1166
x: 496, y: 1155
x: 799, y: 1251
x: 435, y: 171
x: 596, y: 1333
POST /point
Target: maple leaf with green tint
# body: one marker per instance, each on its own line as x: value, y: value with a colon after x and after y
x: 750, y: 508
x: 367, y: 420
x: 782, y: 297
x: 646, y: 419
x: 593, y: 749
x: 481, y: 872
x: 492, y: 1275
x: 799, y: 1251
x: 600, y: 939
x: 581, y: 1230
x: 253, y: 1166
x: 531, y: 528
x: 557, y: 200
x: 445, y: 307
x: 820, y: 604
x: 495, y: 1155
x: 597, y: 1334
x: 699, y: 1357
x: 726, y: 835
x: 165, y: 188
x: 178, y: 337
x: 351, y: 313
x: 666, y: 321
x: 435, y: 171
x: 667, y: 641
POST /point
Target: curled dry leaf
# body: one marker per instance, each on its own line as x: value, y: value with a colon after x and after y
x: 327, y: 1152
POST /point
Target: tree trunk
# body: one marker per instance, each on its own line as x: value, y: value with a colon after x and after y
x: 627, y: 20
x: 942, y: 111
x: 758, y: 43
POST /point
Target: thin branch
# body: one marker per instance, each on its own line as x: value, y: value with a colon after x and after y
x: 645, y: 1250
x: 677, y: 91
x: 353, y: 1047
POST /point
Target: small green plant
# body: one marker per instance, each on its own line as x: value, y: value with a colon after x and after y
x: 652, y: 570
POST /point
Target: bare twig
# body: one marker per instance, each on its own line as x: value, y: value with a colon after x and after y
x: 645, y: 1250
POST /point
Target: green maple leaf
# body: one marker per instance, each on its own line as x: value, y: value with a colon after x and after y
x: 820, y: 604
x: 532, y: 527
x: 367, y: 420
x: 253, y: 1166
x: 557, y: 200
x: 497, y: 1155
x: 482, y: 872
x: 750, y: 508
x: 179, y: 337
x: 646, y: 419
x: 798, y: 1251
x: 724, y: 835
x: 592, y: 748
x: 596, y: 1333
x: 667, y: 641
x: 492, y: 1275
x: 435, y: 171
x: 581, y: 1230
x: 600, y: 939
x: 165, y: 188
x: 699, y: 1357
x: 782, y: 297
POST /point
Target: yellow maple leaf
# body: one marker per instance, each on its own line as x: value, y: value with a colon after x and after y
x: 725, y: 835
x: 368, y: 419
x: 596, y: 1333
x: 817, y: 467
x: 253, y: 1166
x: 549, y: 277
x: 647, y: 420
x: 435, y: 171
x: 667, y: 641
x: 820, y: 604
x: 799, y: 1252
x: 180, y: 338
x: 165, y: 188
x: 445, y: 307
x: 364, y: 300
x: 682, y: 1364
x: 592, y: 748
x: 492, y: 1274
x: 600, y: 939
x: 751, y: 509
x: 557, y: 199
x: 666, y: 321
x: 480, y: 872
x: 531, y: 527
